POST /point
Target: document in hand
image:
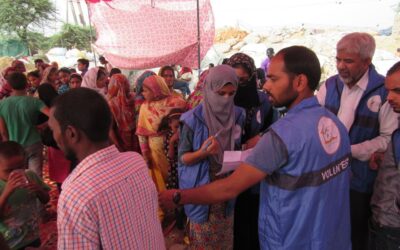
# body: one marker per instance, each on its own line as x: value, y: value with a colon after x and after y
x: 232, y: 159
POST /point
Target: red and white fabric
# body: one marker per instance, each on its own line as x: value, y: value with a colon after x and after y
x: 144, y: 34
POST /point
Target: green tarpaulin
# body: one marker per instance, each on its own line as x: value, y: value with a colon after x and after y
x: 13, y: 48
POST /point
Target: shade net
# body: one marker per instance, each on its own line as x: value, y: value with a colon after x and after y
x: 138, y: 34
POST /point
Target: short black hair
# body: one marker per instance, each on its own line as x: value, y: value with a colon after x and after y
x: 75, y: 75
x: 393, y: 69
x: 34, y: 73
x: 38, y: 61
x: 86, y: 110
x: 64, y: 70
x: 84, y: 62
x: 302, y: 60
x: 17, y: 81
x: 102, y: 58
x: 114, y: 71
x: 47, y: 93
x: 102, y: 72
x: 10, y: 149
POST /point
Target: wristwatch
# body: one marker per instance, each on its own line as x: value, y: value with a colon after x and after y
x: 176, y: 198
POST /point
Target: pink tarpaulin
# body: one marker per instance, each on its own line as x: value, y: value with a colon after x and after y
x: 139, y: 34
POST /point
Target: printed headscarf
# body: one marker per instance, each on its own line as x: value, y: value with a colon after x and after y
x: 121, y: 102
x: 247, y: 93
x: 196, y: 97
x: 152, y: 112
x: 158, y: 86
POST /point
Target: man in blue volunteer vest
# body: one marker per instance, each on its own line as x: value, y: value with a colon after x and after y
x: 302, y: 162
x: 384, y: 231
x: 358, y: 97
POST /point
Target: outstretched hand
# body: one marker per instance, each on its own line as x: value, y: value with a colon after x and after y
x: 165, y: 199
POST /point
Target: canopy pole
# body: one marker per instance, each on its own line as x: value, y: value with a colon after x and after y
x: 91, y: 35
x: 198, y: 38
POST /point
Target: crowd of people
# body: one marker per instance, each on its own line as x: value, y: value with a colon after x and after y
x: 322, y: 172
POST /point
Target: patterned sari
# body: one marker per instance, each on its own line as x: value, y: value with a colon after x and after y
x: 150, y: 116
x: 122, y: 108
x: 151, y: 141
x: 196, y: 97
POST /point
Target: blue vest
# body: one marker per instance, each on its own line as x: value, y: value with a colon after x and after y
x: 396, y: 146
x: 366, y: 123
x: 305, y: 203
x: 199, y: 174
x: 260, y: 117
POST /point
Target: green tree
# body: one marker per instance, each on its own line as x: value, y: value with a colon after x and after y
x: 20, y: 17
x: 73, y: 36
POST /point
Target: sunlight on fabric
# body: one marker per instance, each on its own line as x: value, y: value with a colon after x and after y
x: 146, y: 34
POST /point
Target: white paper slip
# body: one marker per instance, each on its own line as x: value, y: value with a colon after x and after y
x: 232, y: 159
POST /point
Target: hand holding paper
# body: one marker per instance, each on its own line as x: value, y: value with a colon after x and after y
x: 232, y: 159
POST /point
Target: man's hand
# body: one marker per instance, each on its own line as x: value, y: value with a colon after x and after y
x: 376, y: 160
x: 251, y: 143
x: 165, y: 199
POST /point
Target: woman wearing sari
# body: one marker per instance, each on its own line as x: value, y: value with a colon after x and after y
x: 139, y: 99
x: 96, y: 79
x: 50, y: 76
x: 158, y: 103
x: 196, y: 97
x: 121, y: 103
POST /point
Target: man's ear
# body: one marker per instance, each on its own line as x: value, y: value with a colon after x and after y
x: 301, y: 82
x: 72, y: 134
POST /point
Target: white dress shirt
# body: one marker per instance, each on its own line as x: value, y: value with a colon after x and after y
x: 346, y: 114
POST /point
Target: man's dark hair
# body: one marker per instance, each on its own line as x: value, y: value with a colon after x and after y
x: 393, y: 69
x: 85, y: 110
x: 17, y: 81
x: 101, y: 73
x: 75, y: 75
x: 38, y: 61
x: 65, y: 70
x: 301, y: 60
x: 34, y: 73
x: 10, y: 149
x: 114, y: 71
x: 84, y: 62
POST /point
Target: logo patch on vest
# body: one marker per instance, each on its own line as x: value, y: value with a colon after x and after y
x: 258, y: 117
x: 328, y: 134
x: 237, y: 132
x: 374, y: 103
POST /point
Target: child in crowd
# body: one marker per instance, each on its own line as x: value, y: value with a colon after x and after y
x: 63, y: 77
x: 169, y: 126
x: 75, y: 81
x: 34, y: 82
x: 20, y: 192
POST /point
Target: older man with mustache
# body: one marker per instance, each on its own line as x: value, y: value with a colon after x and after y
x: 357, y: 95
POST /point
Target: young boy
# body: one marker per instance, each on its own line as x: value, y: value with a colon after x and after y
x: 75, y: 81
x: 34, y: 82
x: 63, y: 76
x: 20, y: 192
